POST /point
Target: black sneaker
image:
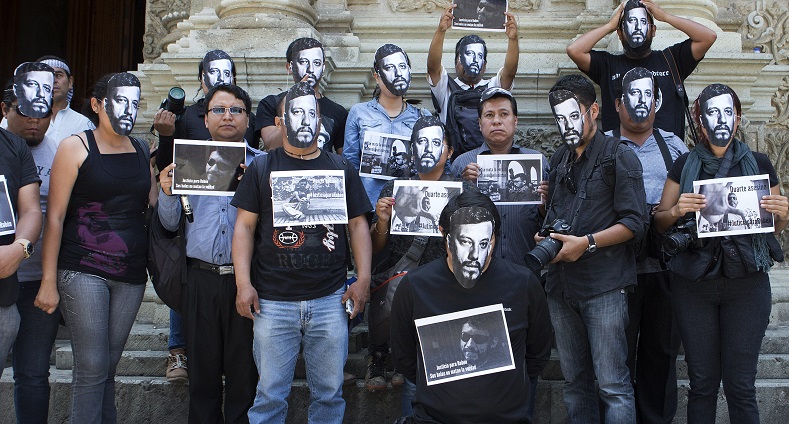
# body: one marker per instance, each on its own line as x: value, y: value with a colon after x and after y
x: 375, y: 379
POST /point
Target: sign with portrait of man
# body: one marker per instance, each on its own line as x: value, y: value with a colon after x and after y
x: 465, y: 344
x: 510, y: 179
x: 480, y: 15
x: 209, y: 168
x: 7, y: 216
x: 308, y: 198
x: 385, y: 156
x: 419, y: 204
x: 733, y: 206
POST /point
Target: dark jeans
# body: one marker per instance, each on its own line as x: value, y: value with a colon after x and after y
x: 219, y: 342
x: 652, y: 345
x: 32, y: 350
x: 177, y: 339
x: 722, y: 324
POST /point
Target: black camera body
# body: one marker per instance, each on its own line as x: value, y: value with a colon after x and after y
x: 174, y: 102
x: 549, y: 247
x: 680, y: 238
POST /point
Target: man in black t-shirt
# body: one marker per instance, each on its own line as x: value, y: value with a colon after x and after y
x: 297, y: 296
x: 306, y: 62
x: 634, y: 23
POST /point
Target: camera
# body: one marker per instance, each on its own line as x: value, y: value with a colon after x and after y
x: 549, y: 247
x: 680, y: 238
x: 174, y: 101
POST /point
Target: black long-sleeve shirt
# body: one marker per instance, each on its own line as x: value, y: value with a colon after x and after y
x: 601, y: 206
x: 500, y: 397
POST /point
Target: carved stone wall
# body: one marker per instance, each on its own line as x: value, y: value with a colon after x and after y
x: 161, y: 18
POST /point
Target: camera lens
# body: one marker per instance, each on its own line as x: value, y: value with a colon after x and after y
x: 543, y: 253
x: 676, y: 243
x: 177, y: 93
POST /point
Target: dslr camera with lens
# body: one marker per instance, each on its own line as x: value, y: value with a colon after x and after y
x: 680, y: 238
x: 174, y: 101
x: 549, y: 247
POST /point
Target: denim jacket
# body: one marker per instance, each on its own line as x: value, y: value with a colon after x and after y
x: 371, y: 116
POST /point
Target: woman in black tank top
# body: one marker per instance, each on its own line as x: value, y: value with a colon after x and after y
x: 95, y: 242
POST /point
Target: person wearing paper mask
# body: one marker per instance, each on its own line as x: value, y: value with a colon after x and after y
x: 471, y: 58
x: 653, y: 340
x: 431, y: 151
x: 100, y: 179
x: 468, y: 277
x: 33, y: 82
x: 388, y: 112
x: 721, y: 318
x: 595, y: 185
x: 634, y: 23
x: 305, y: 61
x: 298, y: 270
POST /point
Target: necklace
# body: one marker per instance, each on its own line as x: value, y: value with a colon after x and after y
x: 402, y: 108
x: 301, y: 156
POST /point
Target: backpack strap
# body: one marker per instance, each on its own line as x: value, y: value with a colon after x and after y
x: 661, y: 142
x: 679, y: 87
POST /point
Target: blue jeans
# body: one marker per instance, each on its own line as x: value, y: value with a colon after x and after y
x: 590, y: 337
x: 100, y: 314
x: 9, y: 325
x: 177, y: 340
x: 320, y: 326
x: 32, y: 350
x: 407, y: 393
x: 722, y: 324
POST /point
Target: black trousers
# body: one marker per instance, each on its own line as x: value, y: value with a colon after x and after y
x: 218, y: 342
x: 653, y: 342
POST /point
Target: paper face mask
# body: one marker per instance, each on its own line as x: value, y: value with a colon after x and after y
x: 428, y: 148
x: 218, y: 72
x: 638, y: 95
x: 121, y: 103
x: 33, y: 90
x: 473, y: 59
x: 395, y: 73
x: 308, y: 62
x: 301, y: 120
x: 636, y: 27
x: 567, y: 112
x: 470, y: 243
x: 717, y: 117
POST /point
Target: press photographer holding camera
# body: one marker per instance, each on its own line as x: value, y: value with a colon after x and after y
x: 720, y: 287
x: 595, y: 207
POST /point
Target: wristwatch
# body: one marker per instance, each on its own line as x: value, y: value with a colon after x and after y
x: 27, y: 246
x: 592, y: 245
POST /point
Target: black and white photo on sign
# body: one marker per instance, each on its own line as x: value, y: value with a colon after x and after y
x: 33, y: 84
x: 510, y: 179
x: 207, y: 167
x: 480, y: 15
x: 308, y: 197
x: 419, y: 204
x: 733, y: 206
x: 464, y: 344
x: 7, y: 216
x: 385, y: 156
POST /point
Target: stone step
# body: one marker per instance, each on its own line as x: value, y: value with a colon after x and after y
x: 133, y: 363
x: 153, y: 399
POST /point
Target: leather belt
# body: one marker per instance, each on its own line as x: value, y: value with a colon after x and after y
x: 217, y: 269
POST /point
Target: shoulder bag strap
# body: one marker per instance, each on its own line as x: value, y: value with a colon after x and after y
x: 680, y: 87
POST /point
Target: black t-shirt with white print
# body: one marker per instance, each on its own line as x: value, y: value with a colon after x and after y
x: 299, y: 262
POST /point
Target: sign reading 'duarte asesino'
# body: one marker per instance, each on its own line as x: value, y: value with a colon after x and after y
x: 418, y: 205
x: 733, y: 206
x: 210, y: 168
x: 464, y: 344
x: 510, y: 179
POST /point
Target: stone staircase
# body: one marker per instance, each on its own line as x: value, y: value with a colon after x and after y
x: 144, y: 396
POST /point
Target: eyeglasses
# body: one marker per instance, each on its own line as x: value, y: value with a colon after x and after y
x: 478, y: 338
x: 234, y: 110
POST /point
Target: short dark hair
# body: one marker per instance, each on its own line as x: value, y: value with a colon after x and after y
x: 299, y: 89
x: 469, y: 198
x: 235, y: 90
x: 634, y: 4
x: 98, y: 92
x: 556, y: 97
x: 424, y: 122
x: 470, y: 39
x: 212, y: 56
x: 8, y: 93
x: 476, y: 323
x: 578, y: 85
x: 123, y: 79
x: 494, y: 93
x: 633, y: 75
x: 32, y: 67
x: 299, y: 44
x: 386, y: 50
x: 710, y: 91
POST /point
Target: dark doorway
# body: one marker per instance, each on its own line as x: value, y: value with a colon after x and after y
x: 93, y: 36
